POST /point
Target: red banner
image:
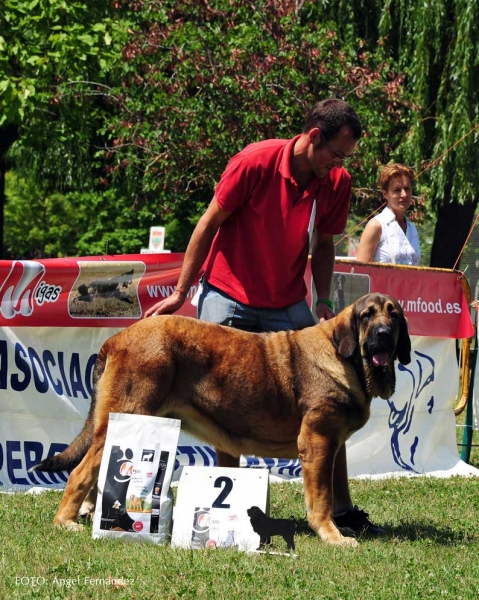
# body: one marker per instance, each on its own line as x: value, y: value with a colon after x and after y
x: 115, y: 291
x: 433, y: 300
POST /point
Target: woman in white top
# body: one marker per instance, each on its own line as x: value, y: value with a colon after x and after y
x: 390, y: 237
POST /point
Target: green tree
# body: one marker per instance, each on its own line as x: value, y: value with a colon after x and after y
x: 439, y: 50
x: 45, y: 45
x: 42, y: 224
x: 149, y: 100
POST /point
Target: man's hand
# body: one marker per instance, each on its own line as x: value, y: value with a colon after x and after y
x: 323, y: 312
x: 167, y: 306
x: 195, y: 256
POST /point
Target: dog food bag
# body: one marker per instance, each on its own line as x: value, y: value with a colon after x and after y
x: 135, y: 501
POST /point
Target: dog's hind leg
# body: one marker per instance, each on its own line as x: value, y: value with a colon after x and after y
x: 226, y: 460
x: 85, y: 476
x: 87, y: 508
x: 81, y: 480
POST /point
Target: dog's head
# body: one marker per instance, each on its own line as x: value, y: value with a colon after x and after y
x: 374, y: 330
x: 83, y: 289
x: 127, y: 278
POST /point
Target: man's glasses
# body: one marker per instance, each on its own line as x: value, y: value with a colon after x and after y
x: 338, y: 157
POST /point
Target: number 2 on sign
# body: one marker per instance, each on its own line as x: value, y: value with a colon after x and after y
x: 227, y: 484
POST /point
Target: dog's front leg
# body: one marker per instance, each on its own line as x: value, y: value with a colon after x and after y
x: 342, y: 497
x: 317, y: 451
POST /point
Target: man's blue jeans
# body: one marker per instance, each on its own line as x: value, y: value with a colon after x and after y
x: 217, y: 307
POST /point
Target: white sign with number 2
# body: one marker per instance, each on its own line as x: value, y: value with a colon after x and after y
x: 211, y: 507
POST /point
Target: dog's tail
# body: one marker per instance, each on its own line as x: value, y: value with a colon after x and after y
x: 73, y: 455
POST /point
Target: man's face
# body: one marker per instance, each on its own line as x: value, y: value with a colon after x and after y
x: 323, y: 156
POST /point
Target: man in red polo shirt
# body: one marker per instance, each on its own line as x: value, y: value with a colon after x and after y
x: 253, y: 243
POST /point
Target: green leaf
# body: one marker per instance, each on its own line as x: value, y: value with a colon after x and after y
x: 87, y: 39
x: 33, y: 60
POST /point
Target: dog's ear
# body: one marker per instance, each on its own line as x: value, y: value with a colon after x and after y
x: 403, y: 348
x: 345, y: 333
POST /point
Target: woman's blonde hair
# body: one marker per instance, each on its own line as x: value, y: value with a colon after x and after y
x: 393, y: 170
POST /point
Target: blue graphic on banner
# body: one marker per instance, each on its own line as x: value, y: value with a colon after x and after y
x: 17, y: 457
x: 404, y: 441
x: 204, y: 456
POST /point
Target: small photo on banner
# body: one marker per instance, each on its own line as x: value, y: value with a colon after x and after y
x: 106, y: 290
x: 212, y: 507
x: 348, y: 287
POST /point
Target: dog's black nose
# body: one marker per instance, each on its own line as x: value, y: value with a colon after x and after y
x: 382, y: 332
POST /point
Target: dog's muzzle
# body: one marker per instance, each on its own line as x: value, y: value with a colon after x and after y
x: 381, y: 345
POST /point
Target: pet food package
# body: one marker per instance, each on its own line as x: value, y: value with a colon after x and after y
x: 135, y: 501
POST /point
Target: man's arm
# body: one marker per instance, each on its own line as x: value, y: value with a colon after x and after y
x: 322, y: 267
x: 195, y: 255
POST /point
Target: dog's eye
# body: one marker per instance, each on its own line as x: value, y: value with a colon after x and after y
x: 368, y: 314
x: 393, y: 312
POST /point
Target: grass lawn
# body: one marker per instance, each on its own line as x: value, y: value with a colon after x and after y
x: 430, y: 550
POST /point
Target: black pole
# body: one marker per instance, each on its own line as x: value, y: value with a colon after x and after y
x: 8, y: 135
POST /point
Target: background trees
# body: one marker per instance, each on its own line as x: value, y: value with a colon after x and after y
x: 436, y: 44
x: 128, y: 112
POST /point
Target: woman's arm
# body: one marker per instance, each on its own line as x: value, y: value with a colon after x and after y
x: 369, y: 241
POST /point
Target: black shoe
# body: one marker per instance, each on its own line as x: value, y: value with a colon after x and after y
x: 357, y: 520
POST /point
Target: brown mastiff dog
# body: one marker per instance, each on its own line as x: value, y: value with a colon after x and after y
x: 286, y: 394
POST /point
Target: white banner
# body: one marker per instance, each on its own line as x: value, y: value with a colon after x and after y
x: 45, y: 387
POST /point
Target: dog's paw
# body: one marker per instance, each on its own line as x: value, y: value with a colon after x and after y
x: 347, y: 532
x: 69, y: 525
x: 341, y: 540
x: 87, y: 510
x: 330, y: 534
x: 348, y: 542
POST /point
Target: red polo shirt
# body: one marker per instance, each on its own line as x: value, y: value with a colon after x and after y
x: 259, y: 253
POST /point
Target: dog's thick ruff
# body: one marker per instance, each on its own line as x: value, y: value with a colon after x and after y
x: 286, y: 394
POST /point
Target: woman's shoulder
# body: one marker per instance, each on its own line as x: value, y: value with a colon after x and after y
x: 374, y: 224
x: 373, y: 232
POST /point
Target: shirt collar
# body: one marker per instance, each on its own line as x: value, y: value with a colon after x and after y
x: 390, y: 216
x: 285, y: 167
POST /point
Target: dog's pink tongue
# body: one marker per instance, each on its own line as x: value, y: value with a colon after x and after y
x: 380, y: 359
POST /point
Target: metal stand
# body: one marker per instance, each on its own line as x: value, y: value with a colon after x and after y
x: 468, y: 424
x: 468, y: 431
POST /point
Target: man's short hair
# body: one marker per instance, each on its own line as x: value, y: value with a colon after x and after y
x: 330, y: 116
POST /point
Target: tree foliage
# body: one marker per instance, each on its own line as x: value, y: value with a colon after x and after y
x: 45, y: 224
x: 436, y: 45
x: 151, y: 99
x: 439, y: 52
x: 136, y: 107
x: 44, y: 46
